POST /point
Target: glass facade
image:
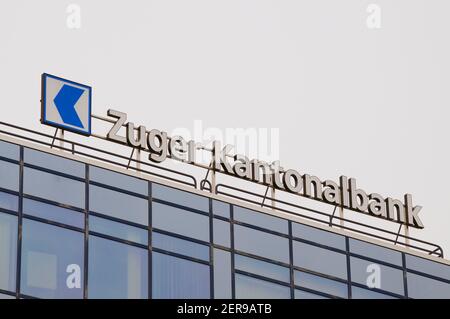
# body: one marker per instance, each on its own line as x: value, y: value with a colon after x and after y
x: 71, y: 230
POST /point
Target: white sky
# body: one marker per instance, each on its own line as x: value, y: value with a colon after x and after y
x: 370, y: 104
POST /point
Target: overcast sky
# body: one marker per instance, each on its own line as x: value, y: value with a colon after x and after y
x: 347, y: 99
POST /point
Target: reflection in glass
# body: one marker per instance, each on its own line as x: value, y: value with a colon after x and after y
x: 321, y: 284
x: 118, y: 180
x: 9, y: 173
x: 222, y: 274
x: 9, y: 150
x: 260, y: 219
x: 180, y: 197
x: 176, y: 278
x: 318, y: 236
x: 119, y: 230
x: 221, y: 232
x: 52, y: 261
x: 51, y: 212
x: 300, y: 294
x: 116, y: 270
x: 220, y: 208
x: 428, y: 266
x: 426, y: 288
x: 361, y: 293
x: 8, y: 251
x: 253, y: 288
x: 180, y: 246
x: 53, y: 162
x: 9, y: 201
x: 261, y: 268
x: 374, y: 251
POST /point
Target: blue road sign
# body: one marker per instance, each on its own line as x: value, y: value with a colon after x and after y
x: 66, y: 104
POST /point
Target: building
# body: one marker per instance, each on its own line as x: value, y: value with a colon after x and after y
x: 77, y: 226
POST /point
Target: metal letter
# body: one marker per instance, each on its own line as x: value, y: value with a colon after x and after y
x: 121, y: 119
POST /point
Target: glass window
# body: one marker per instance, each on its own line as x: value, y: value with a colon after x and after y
x: 260, y: 220
x: 222, y: 274
x: 118, y: 180
x: 52, y: 212
x: 428, y: 266
x: 53, y: 162
x: 176, y: 278
x: 9, y: 201
x: 426, y: 288
x: 261, y: 268
x: 118, y: 205
x: 180, y: 221
x: 10, y: 175
x: 4, y: 296
x: 221, y: 232
x: 180, y: 246
x: 221, y: 209
x: 321, y: 284
x: 253, y: 288
x: 53, y: 187
x: 8, y: 251
x: 116, y: 270
x: 320, y: 260
x: 300, y: 294
x: 361, y: 293
x: 375, y: 275
x: 375, y: 252
x: 179, y: 197
x: 119, y: 230
x: 9, y: 150
x: 260, y: 243
x: 52, y: 261
x: 318, y: 236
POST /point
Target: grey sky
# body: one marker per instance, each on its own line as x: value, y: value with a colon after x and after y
x: 371, y: 104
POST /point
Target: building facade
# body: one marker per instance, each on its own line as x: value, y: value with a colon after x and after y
x: 77, y: 228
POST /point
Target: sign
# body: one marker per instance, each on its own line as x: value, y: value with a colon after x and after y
x: 344, y: 193
x: 66, y: 104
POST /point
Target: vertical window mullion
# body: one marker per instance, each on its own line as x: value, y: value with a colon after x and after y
x: 19, y: 225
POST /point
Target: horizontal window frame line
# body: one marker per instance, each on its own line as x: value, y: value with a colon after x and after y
x: 221, y: 218
x: 10, y: 191
x: 50, y: 171
x: 29, y: 297
x: 52, y: 223
x: 6, y: 159
x: 168, y: 233
x: 384, y: 292
x: 416, y: 272
x: 177, y: 255
x: 193, y: 210
x: 118, y: 240
x: 318, y: 274
x: 264, y: 278
x: 265, y: 230
x: 9, y: 212
x: 305, y: 241
x: 376, y: 261
x: 117, y: 220
x: 316, y: 292
x: 53, y: 203
x: 218, y: 246
x: 260, y: 258
x: 117, y: 189
x: 7, y: 292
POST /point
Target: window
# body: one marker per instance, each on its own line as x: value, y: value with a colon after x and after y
x: 52, y: 212
x: 366, y: 272
x: 52, y: 261
x: 361, y: 293
x: 180, y: 246
x: 4, y: 296
x: 179, y: 197
x: 221, y: 209
x: 8, y: 201
x: 8, y: 251
x: 427, y: 288
x: 9, y: 150
x: 260, y: 220
x: 119, y: 230
x: 261, y: 268
x: 318, y: 236
x: 321, y: 284
x: 427, y: 266
x: 221, y: 232
x: 222, y: 274
x: 180, y: 221
x: 320, y: 260
x: 53, y: 162
x: 116, y: 270
x: 253, y: 288
x: 300, y: 294
x: 118, y: 205
x: 176, y: 278
x: 9, y: 173
x: 375, y: 252
x: 262, y: 244
x: 118, y: 180
x: 53, y: 187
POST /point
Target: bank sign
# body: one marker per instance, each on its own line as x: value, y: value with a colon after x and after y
x: 66, y: 104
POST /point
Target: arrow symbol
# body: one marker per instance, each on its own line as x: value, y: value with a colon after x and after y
x: 65, y: 102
